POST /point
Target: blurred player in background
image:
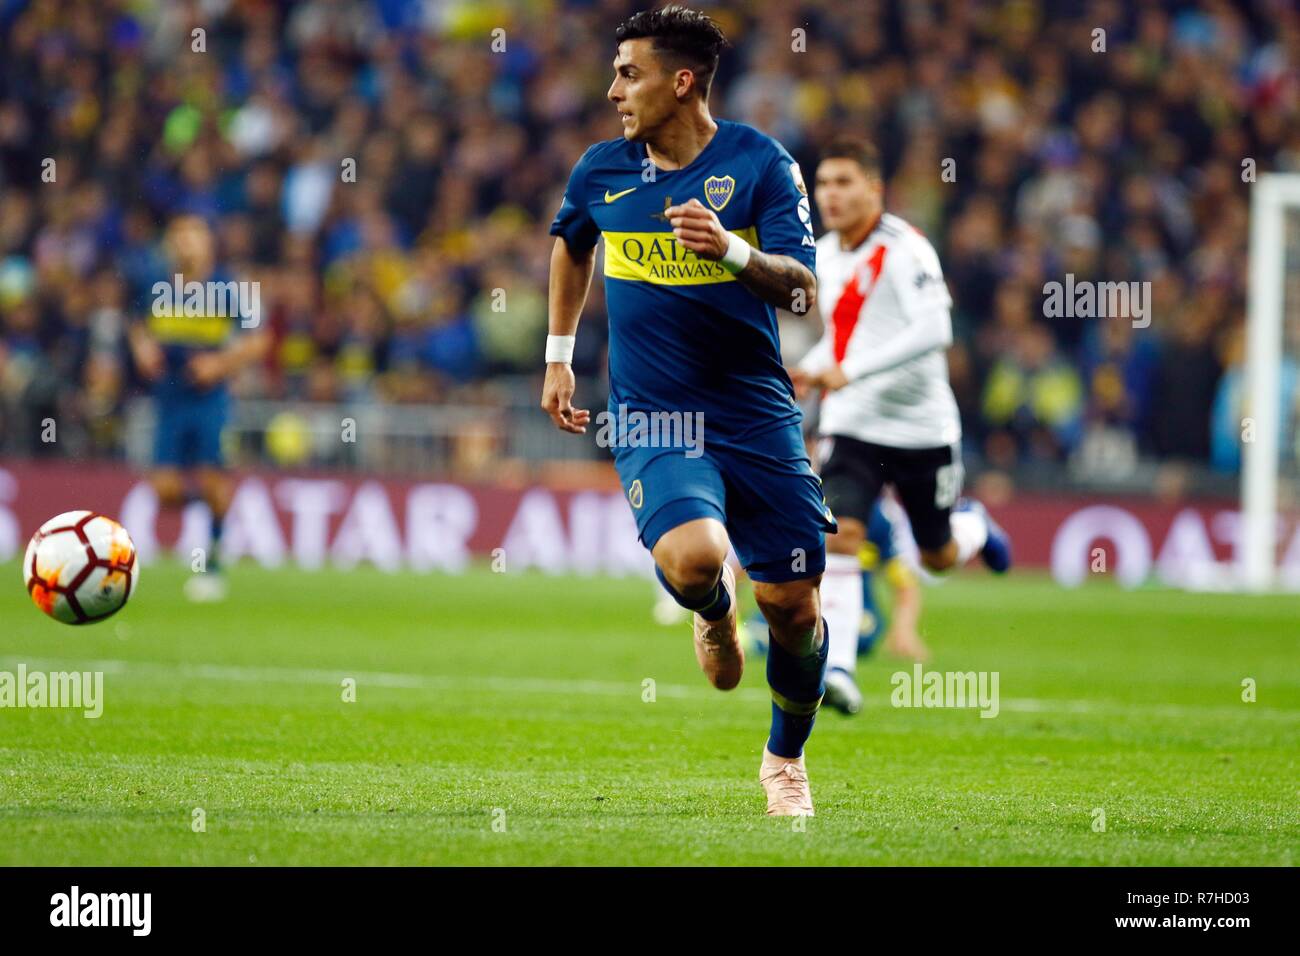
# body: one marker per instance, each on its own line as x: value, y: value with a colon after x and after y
x: 882, y: 556
x: 707, y: 228
x: 885, y: 554
x: 888, y: 415
x: 188, y: 354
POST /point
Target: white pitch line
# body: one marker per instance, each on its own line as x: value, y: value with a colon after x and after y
x: 294, y: 675
x: 158, y: 670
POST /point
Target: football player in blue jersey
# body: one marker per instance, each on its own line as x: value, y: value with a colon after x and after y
x: 707, y: 231
x: 187, y: 350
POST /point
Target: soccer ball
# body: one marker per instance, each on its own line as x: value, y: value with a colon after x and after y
x: 80, y: 567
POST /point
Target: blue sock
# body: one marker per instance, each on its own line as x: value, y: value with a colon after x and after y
x: 712, y: 607
x: 214, y: 550
x: 874, y: 623
x: 797, y: 685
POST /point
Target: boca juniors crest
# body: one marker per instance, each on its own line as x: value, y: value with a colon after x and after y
x: 718, y: 190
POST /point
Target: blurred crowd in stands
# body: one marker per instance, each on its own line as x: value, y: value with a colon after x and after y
x: 1110, y: 140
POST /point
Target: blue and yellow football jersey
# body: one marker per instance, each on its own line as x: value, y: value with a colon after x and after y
x: 684, y: 334
x: 183, y: 330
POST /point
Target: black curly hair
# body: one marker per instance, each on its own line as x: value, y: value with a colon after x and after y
x: 684, y: 38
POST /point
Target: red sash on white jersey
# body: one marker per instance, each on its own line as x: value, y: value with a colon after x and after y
x: 853, y: 298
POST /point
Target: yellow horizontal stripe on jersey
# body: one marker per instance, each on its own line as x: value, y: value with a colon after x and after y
x: 658, y: 258
x: 190, y: 329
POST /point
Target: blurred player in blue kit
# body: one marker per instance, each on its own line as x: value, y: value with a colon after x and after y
x: 187, y: 352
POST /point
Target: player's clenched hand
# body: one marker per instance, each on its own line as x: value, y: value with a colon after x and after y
x: 150, y: 363
x: 148, y: 357
x: 832, y: 379
x: 206, y: 369
x: 698, y: 229
x: 557, y: 398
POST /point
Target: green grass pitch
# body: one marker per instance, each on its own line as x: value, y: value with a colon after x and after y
x: 500, y: 719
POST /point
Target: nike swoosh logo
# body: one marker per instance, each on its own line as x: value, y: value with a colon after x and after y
x: 611, y: 198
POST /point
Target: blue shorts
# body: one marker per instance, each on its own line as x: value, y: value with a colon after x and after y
x: 189, y: 430
x: 765, y: 493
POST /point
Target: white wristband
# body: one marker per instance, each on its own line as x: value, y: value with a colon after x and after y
x: 559, y: 348
x: 737, y: 255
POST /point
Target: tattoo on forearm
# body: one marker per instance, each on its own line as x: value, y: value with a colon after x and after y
x: 780, y: 281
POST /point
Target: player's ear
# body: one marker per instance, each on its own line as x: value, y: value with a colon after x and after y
x: 683, y: 84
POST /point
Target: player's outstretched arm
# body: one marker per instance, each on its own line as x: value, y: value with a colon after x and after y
x: 781, y: 281
x: 810, y: 372
x: 571, y: 271
x: 928, y: 330
x: 208, y: 368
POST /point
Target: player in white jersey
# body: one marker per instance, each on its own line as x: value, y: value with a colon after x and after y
x: 888, y: 415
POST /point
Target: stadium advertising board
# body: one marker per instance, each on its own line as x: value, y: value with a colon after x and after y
x: 313, y: 519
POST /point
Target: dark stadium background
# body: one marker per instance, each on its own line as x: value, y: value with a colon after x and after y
x: 1122, y: 164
